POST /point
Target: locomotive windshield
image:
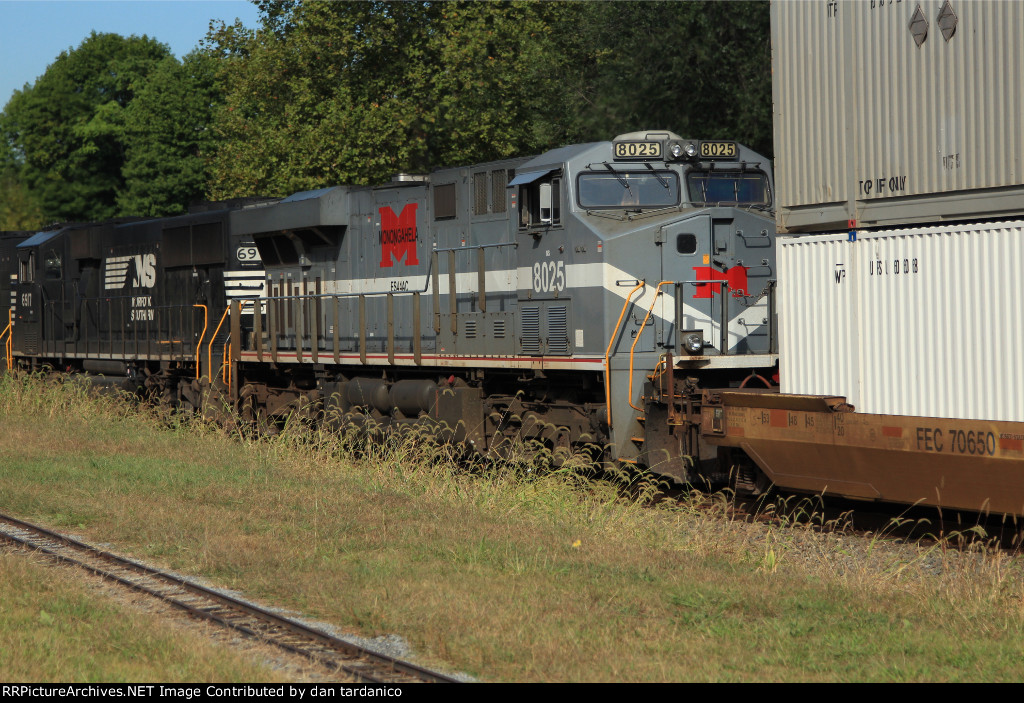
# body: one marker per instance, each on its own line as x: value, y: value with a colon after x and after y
x: 628, y: 189
x: 733, y: 187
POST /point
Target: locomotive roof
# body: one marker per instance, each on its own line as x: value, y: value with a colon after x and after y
x: 556, y: 157
x: 310, y: 208
x: 39, y: 238
x: 308, y: 194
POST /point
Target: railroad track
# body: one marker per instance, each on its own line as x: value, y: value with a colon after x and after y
x: 361, y: 664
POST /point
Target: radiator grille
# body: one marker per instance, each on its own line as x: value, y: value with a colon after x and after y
x: 531, y: 330
x: 558, y: 330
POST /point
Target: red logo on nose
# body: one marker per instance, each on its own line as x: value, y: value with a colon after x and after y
x: 398, y: 236
x: 736, y: 277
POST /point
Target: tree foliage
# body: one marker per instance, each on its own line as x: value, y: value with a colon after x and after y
x: 169, y: 137
x: 19, y: 210
x: 330, y: 93
x: 66, y: 132
x: 701, y: 69
x: 354, y: 92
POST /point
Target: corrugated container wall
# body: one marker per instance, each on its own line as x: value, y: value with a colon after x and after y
x: 895, y: 112
x: 918, y: 321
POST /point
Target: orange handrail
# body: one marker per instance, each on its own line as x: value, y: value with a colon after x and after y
x: 213, y: 338
x: 225, y: 365
x: 608, y: 354
x: 657, y: 292
x: 8, y: 345
x: 199, y: 346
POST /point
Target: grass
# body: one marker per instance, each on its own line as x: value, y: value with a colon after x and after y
x: 53, y: 628
x: 504, y: 572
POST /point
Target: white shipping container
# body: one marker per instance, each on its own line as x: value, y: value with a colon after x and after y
x: 897, y: 112
x: 924, y: 321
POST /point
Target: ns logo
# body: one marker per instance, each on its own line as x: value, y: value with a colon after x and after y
x: 145, y: 271
x: 117, y: 268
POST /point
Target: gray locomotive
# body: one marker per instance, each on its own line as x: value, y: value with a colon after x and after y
x: 581, y: 297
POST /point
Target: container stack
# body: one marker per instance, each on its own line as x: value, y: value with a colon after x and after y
x: 899, y: 136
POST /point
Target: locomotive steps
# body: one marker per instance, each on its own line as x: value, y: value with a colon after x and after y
x: 506, y: 575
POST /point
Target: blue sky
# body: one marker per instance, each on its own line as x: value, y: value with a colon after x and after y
x: 34, y: 32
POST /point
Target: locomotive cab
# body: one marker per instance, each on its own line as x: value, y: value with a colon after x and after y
x: 650, y: 254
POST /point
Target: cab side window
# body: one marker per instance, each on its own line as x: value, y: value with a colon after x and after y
x: 26, y: 274
x: 540, y: 203
x: 53, y: 266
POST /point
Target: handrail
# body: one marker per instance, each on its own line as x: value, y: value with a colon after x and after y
x: 639, y: 332
x: 8, y: 346
x: 213, y: 338
x: 225, y: 366
x: 474, y: 247
x: 199, y: 345
x: 608, y: 354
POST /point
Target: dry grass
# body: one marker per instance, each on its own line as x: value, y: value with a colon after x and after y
x: 506, y: 572
x: 54, y: 628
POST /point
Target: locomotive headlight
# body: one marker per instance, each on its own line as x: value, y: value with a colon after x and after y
x: 691, y: 150
x: 675, y: 149
x: 693, y: 342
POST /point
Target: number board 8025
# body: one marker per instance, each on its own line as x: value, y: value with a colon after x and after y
x: 719, y: 150
x: 636, y: 150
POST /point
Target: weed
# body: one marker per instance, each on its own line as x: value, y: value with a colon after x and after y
x: 531, y: 565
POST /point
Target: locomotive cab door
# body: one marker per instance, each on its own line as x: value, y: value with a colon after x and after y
x: 686, y: 259
x: 27, y: 304
x: 53, y: 302
x: 545, y: 325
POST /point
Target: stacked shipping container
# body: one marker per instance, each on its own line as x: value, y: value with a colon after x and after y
x: 900, y: 116
x: 893, y: 112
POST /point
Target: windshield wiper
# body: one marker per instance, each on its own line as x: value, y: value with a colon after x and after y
x: 657, y: 175
x: 622, y: 181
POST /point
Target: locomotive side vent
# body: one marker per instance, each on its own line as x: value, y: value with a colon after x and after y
x: 558, y: 330
x: 499, y: 185
x: 531, y: 330
x: 480, y: 193
x: 469, y: 328
x: 499, y: 329
x: 31, y: 340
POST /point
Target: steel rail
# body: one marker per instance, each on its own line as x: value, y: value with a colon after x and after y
x: 290, y: 635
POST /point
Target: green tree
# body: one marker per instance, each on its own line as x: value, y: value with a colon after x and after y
x: 169, y: 137
x: 66, y: 131
x: 18, y: 209
x: 701, y: 69
x: 332, y: 93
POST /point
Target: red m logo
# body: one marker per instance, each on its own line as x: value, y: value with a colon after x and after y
x: 398, y: 236
x: 736, y: 277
